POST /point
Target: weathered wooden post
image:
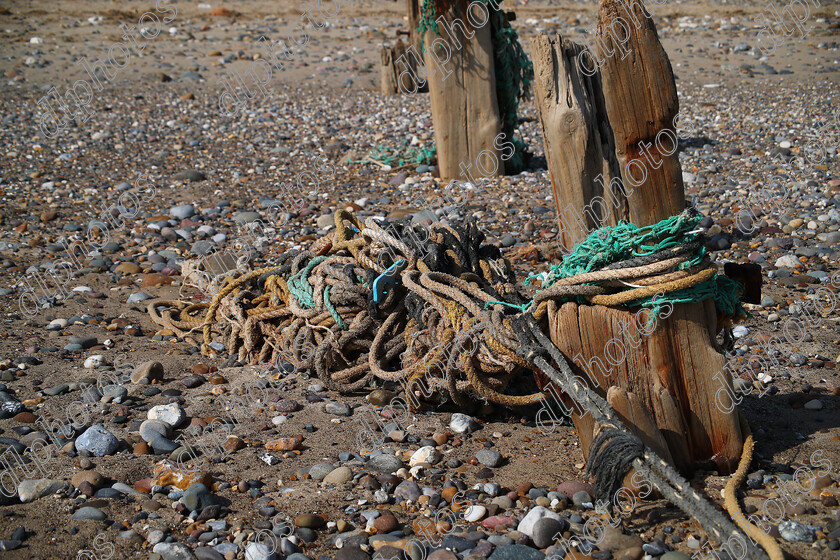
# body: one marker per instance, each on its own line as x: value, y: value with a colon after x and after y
x: 607, y: 118
x: 414, y: 15
x: 390, y: 69
x: 390, y: 75
x: 476, y: 72
x: 462, y: 84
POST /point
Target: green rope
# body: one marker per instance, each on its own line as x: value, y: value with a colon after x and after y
x: 610, y: 244
x: 338, y: 320
x: 300, y: 288
x: 722, y: 289
x: 514, y: 74
x: 427, y: 21
x: 401, y: 156
x: 521, y: 308
x: 624, y: 241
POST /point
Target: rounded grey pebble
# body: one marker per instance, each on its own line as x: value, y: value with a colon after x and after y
x: 489, y: 457
x: 581, y: 498
x: 544, y: 531
x: 385, y: 463
x: 98, y: 441
x: 320, y: 470
x: 798, y: 359
x: 88, y: 513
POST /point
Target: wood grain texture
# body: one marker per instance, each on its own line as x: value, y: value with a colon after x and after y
x: 665, y: 379
x: 463, y: 97
x: 601, y: 130
x: 388, y: 69
x: 414, y: 13
x: 576, y: 136
x: 640, y: 95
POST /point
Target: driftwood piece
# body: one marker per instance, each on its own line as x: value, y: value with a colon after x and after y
x: 667, y: 372
x: 462, y: 84
x: 607, y: 116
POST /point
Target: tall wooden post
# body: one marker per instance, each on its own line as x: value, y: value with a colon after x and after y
x: 462, y: 84
x: 607, y: 120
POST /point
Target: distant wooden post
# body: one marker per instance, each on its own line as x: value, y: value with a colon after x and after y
x: 390, y: 74
x: 462, y: 84
x: 414, y: 39
x: 612, y: 154
x: 390, y: 70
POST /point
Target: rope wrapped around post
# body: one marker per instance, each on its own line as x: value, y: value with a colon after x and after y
x: 457, y: 322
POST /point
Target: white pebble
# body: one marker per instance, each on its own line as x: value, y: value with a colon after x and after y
x: 740, y: 331
x: 94, y: 361
x: 474, y: 513
x: 427, y: 454
x: 171, y: 414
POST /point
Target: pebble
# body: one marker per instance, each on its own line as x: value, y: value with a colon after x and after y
x: 787, y: 261
x: 426, y: 454
x: 259, y: 551
x: 182, y: 212
x: 137, y: 297
x: 339, y: 476
x: 813, y: 404
x: 544, y: 530
x: 31, y: 490
x: 320, y: 470
x: 171, y: 414
x: 792, y: 531
x: 462, y: 424
x: 674, y: 555
x: 353, y: 552
x: 94, y: 361
x: 173, y: 551
x: 385, y: 463
x: 88, y: 514
x: 407, y: 490
x: 798, y: 359
x: 489, y: 457
x: 526, y: 526
x: 338, y: 408
x: 309, y: 521
x: 151, y: 430
x: 150, y: 371
x: 582, y: 497
x: 516, y: 552
x: 197, y: 497
x: 475, y: 513
x: 98, y: 441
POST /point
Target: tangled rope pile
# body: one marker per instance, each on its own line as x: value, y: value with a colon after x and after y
x: 323, y: 300
x: 457, y: 322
